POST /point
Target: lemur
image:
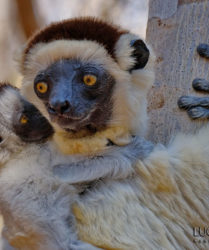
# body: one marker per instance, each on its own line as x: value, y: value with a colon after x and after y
x: 36, y: 206
x: 89, y: 78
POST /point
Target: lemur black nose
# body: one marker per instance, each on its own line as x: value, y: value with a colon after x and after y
x: 59, y: 107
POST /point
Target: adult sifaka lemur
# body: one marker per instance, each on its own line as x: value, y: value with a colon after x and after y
x: 90, y: 80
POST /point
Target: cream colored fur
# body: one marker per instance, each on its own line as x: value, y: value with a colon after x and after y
x: 158, y: 207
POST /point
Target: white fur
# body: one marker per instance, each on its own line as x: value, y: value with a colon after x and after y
x: 158, y: 207
x: 123, y: 51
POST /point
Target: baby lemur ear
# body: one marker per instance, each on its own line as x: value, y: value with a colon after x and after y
x: 131, y: 52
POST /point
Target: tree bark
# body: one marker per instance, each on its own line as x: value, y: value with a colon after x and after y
x: 175, y: 28
x: 27, y: 17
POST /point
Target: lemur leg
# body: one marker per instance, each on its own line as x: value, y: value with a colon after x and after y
x: 197, y: 107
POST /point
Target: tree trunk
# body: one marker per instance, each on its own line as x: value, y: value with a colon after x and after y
x: 27, y: 17
x: 175, y: 29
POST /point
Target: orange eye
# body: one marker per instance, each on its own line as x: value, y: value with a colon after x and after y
x: 89, y: 80
x: 42, y: 87
x: 23, y: 119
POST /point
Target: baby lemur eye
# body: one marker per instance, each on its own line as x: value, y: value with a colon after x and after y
x: 41, y: 87
x: 23, y: 119
x: 90, y: 80
x: 1, y: 139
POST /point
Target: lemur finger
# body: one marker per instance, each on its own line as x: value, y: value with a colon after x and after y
x: 203, y: 50
x: 200, y: 84
x: 198, y: 112
x: 187, y: 102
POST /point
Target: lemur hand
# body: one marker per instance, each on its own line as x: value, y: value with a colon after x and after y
x: 197, y: 107
x: 116, y: 163
x: 138, y: 148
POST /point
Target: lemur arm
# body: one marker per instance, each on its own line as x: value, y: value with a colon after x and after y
x: 197, y: 107
x: 116, y: 163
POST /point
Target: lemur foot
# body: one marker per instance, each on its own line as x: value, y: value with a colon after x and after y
x: 197, y: 107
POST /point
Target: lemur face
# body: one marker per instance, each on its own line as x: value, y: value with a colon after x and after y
x: 76, y: 94
x: 84, y: 73
x: 20, y: 121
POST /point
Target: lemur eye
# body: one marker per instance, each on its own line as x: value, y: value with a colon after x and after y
x: 89, y: 80
x: 1, y: 139
x: 23, y: 119
x: 42, y: 87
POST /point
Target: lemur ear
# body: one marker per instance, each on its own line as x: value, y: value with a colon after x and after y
x: 140, y: 53
x: 131, y: 52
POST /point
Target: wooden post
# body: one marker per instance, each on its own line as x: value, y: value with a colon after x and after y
x: 175, y: 29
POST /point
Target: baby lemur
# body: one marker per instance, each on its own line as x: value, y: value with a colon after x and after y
x: 36, y: 205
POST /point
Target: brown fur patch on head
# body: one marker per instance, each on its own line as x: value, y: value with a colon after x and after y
x: 85, y: 28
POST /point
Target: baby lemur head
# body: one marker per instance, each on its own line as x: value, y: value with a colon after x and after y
x: 86, y: 74
x: 20, y: 121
